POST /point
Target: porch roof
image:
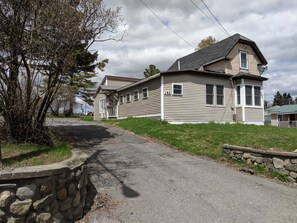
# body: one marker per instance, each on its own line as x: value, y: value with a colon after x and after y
x: 285, y: 109
x: 107, y: 89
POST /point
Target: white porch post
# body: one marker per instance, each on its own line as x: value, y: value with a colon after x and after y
x: 162, y: 97
x: 242, y: 99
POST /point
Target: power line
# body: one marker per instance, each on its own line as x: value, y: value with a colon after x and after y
x: 215, y: 18
x: 222, y: 29
x: 152, y: 11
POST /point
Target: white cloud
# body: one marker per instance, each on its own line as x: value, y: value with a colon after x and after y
x: 270, y: 23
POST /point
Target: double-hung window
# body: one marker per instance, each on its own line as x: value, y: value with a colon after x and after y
x: 244, y: 60
x: 145, y: 92
x: 177, y: 89
x: 136, y: 95
x: 121, y: 99
x: 257, y: 95
x: 128, y: 97
x: 248, y: 95
x: 238, y: 94
x: 209, y: 94
x: 220, y: 95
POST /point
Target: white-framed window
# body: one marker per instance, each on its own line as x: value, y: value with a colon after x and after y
x: 128, y: 98
x: 209, y: 94
x: 136, y: 95
x: 248, y: 95
x: 215, y: 94
x: 145, y: 93
x: 244, y: 60
x: 177, y: 89
x: 220, y: 94
x: 101, y: 105
x: 257, y: 95
x: 238, y: 95
x: 121, y: 99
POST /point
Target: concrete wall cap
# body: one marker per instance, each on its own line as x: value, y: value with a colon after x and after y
x: 77, y: 159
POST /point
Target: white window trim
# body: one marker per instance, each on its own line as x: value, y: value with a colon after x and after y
x: 215, y: 103
x: 253, y: 96
x: 147, y: 93
x: 224, y: 93
x: 247, y: 60
x: 236, y: 95
x: 182, y: 89
x: 137, y: 95
x: 129, y: 97
x: 261, y: 93
x: 123, y: 101
x: 213, y: 94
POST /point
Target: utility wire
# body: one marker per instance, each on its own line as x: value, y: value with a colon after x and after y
x: 152, y: 11
x: 223, y: 30
x: 215, y: 18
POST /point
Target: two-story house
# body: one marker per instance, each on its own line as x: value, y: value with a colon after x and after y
x: 220, y: 83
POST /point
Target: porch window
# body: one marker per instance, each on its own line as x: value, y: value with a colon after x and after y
x: 121, y: 99
x: 248, y: 95
x: 209, y: 94
x: 243, y: 60
x: 220, y: 95
x: 145, y: 93
x: 257, y: 95
x: 238, y: 94
x: 136, y: 95
x: 128, y: 97
x: 177, y: 89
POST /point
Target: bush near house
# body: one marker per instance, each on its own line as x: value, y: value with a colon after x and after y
x: 207, y: 139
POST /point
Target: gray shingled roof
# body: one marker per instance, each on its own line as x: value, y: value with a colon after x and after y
x: 215, y: 52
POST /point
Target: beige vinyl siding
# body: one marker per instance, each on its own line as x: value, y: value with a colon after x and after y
x: 254, y: 114
x: 238, y: 114
x: 191, y: 106
x: 218, y: 66
x: 233, y: 65
x: 252, y: 82
x: 118, y: 83
x: 97, y: 115
x: 142, y: 107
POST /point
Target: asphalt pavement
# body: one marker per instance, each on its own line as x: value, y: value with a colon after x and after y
x: 141, y: 181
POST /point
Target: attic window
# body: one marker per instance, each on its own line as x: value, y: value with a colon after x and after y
x: 243, y: 60
x: 177, y: 89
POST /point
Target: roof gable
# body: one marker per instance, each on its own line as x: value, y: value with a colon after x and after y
x: 213, y: 53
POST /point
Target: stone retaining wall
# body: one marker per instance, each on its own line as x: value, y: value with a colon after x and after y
x: 49, y: 193
x: 281, y: 162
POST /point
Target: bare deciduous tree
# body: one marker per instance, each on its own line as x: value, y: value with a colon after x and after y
x: 37, y: 42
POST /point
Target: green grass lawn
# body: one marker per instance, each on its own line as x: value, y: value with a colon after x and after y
x: 32, y: 155
x: 86, y: 118
x: 207, y: 139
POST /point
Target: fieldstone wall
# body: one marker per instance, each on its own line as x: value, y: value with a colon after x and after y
x: 281, y: 162
x: 51, y: 193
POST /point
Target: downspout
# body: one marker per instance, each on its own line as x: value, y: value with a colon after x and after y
x: 162, y: 97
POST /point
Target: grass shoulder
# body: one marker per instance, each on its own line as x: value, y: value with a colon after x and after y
x: 21, y: 155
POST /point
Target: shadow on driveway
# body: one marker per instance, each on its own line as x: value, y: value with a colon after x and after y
x: 86, y: 138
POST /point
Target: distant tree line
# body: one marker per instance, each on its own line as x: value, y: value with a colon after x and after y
x: 283, y: 99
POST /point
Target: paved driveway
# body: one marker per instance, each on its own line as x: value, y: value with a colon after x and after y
x: 144, y: 181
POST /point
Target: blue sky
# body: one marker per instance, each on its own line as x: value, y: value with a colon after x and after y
x: 270, y: 23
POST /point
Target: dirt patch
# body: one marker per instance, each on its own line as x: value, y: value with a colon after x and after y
x: 104, y: 202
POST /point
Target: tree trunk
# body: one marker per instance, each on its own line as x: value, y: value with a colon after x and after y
x: 1, y: 165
